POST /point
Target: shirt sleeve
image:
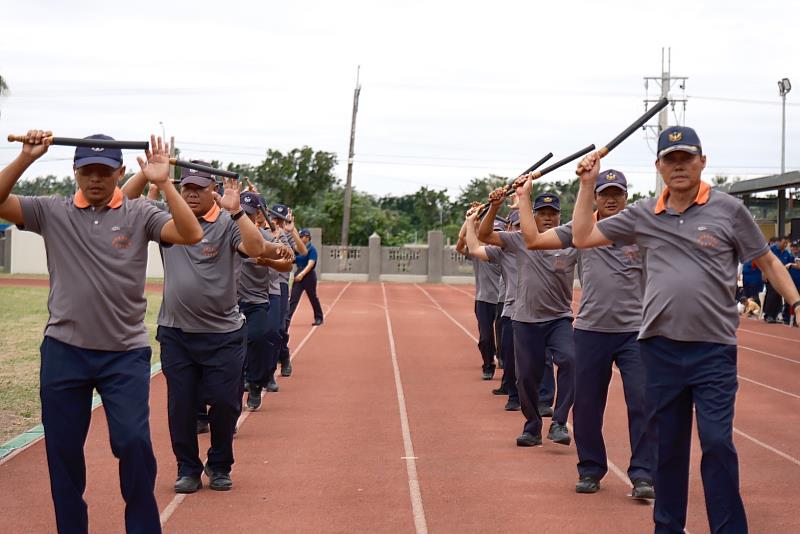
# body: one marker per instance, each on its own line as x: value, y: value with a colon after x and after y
x: 493, y: 253
x: 235, y: 236
x: 621, y: 228
x: 312, y: 253
x: 34, y: 212
x: 564, y: 233
x: 154, y: 219
x: 512, y: 241
x: 748, y: 240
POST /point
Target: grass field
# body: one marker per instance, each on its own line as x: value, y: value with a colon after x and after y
x: 23, y: 312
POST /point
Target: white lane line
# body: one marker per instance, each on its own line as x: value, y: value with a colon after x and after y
x: 467, y: 293
x: 769, y: 354
x: 420, y: 523
x: 180, y: 497
x: 439, y: 307
x: 768, y: 387
x: 768, y: 335
x: 768, y: 447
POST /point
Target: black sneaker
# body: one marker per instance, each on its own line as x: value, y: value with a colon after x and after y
x: 254, y: 398
x: 500, y: 391
x: 528, y: 440
x: 500, y: 363
x: 513, y: 406
x: 272, y: 386
x: 218, y: 481
x: 587, y: 485
x: 317, y: 322
x: 559, y: 434
x: 545, y: 410
x: 286, y: 367
x: 188, y: 484
x: 202, y: 426
x: 643, y: 489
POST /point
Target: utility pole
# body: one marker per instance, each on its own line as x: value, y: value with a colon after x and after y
x: 665, y: 83
x: 784, y: 86
x: 348, y: 188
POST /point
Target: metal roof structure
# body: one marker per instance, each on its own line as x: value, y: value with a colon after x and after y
x: 787, y: 180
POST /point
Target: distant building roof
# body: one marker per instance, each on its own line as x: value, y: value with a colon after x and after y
x: 774, y: 182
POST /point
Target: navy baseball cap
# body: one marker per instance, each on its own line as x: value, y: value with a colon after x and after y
x: 249, y: 202
x: 680, y: 138
x: 193, y: 176
x: 499, y: 223
x: 610, y: 178
x: 547, y: 200
x: 304, y: 232
x: 513, y: 217
x: 111, y: 157
x: 281, y: 211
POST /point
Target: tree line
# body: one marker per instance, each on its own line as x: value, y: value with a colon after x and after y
x: 303, y: 179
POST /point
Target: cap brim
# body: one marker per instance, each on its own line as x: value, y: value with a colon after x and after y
x: 540, y: 206
x: 603, y: 187
x: 197, y: 180
x: 108, y: 162
x: 279, y: 216
x: 683, y: 148
x: 249, y: 209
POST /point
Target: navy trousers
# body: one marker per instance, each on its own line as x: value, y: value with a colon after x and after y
x: 210, y: 364
x: 68, y: 376
x: 682, y: 375
x: 509, y: 381
x: 309, y: 285
x: 547, y: 386
x: 258, y: 359
x: 273, y: 333
x: 283, y: 354
x: 485, y: 312
x: 595, y: 354
x: 498, y: 330
x: 531, y: 343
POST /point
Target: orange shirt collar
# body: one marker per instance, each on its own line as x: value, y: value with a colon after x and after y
x: 212, y: 215
x: 80, y: 200
x: 702, y: 197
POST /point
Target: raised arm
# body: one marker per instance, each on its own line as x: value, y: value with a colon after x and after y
x: 476, y: 250
x: 585, y: 233
x: 34, y: 147
x: 291, y: 227
x: 534, y: 240
x: 486, y: 231
x: 461, y: 244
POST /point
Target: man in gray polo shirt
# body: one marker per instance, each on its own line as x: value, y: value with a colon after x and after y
x: 200, y: 326
x: 606, y: 329
x: 487, y: 294
x: 693, y: 239
x: 542, y: 318
x: 507, y: 261
x: 96, y: 243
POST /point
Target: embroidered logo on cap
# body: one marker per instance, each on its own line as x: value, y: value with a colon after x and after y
x: 611, y: 177
x: 547, y: 199
x: 97, y: 149
x: 675, y: 136
x: 247, y: 199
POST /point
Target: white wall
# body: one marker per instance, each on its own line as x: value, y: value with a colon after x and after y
x: 28, y: 255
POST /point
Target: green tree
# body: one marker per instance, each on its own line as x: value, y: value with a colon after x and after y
x: 3, y: 87
x: 46, y: 185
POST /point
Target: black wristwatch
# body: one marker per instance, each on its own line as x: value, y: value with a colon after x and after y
x: 237, y: 215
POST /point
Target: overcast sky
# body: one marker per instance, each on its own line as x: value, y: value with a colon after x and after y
x: 450, y: 90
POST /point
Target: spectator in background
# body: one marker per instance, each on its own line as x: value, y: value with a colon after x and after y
x: 305, y: 279
x: 772, y: 300
x: 752, y: 281
x: 794, y: 272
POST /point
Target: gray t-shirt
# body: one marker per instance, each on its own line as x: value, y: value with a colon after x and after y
x: 288, y: 239
x: 200, y: 282
x: 97, y: 260
x: 612, y: 283
x: 690, y: 263
x: 507, y: 260
x: 501, y: 294
x: 487, y: 281
x: 544, y: 280
x: 254, y: 279
x: 277, y: 277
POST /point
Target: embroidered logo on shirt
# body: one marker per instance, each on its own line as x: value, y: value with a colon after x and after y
x: 121, y: 242
x: 210, y: 251
x: 707, y: 240
x: 115, y: 228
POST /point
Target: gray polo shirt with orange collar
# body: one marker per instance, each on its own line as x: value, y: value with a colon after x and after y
x: 254, y: 279
x: 507, y: 261
x: 200, y: 280
x: 691, y: 262
x: 544, y: 281
x: 97, y: 260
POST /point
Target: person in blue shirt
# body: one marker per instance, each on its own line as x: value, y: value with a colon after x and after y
x: 794, y: 272
x: 305, y: 279
x: 772, y: 300
x: 752, y: 281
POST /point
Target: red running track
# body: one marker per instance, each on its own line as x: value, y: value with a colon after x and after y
x: 386, y: 426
